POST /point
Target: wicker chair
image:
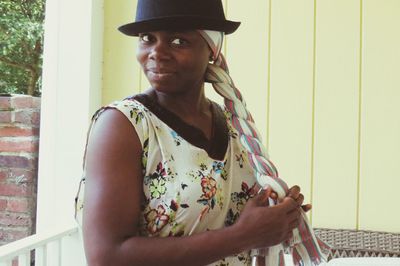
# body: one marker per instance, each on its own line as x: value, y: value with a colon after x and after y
x: 358, y: 243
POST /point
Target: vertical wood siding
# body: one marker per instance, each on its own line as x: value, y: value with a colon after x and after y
x: 336, y: 113
x: 380, y: 116
x: 322, y: 79
x: 121, y: 72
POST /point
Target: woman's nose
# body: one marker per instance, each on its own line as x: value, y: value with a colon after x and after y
x: 160, y: 51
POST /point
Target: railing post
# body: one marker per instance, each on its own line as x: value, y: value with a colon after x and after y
x: 59, y: 242
x: 51, y: 248
x: 53, y: 253
x: 24, y: 259
x: 41, y: 256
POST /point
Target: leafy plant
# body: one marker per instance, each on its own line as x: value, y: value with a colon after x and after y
x: 21, y: 46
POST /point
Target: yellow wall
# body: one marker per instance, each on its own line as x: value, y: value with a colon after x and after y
x: 322, y: 79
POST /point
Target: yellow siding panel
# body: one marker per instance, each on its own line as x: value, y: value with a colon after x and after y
x: 290, y: 143
x: 380, y: 142
x: 336, y: 114
x: 247, y: 52
x: 121, y: 70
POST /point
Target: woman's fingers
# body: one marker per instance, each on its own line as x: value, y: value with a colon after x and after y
x: 289, y: 204
x: 300, y: 199
x: 262, y: 197
x: 306, y: 207
x: 294, y: 192
x: 293, y: 212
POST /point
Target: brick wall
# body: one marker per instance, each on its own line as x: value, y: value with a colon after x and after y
x: 19, y: 139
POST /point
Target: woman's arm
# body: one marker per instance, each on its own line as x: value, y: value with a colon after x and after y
x: 112, y: 209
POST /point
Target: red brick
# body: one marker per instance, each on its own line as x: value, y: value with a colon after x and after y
x: 13, y: 219
x: 36, y: 119
x: 23, y: 116
x: 5, y: 116
x: 21, y: 102
x: 27, y: 175
x: 31, y: 146
x: 15, y: 190
x: 25, y: 101
x: 5, y: 103
x: 3, y: 175
x: 36, y: 102
x: 15, y: 131
x: 28, y: 117
x: 11, y: 234
x: 17, y: 205
x: 13, y: 161
x: 3, y: 204
x: 13, y: 175
x: 18, y: 172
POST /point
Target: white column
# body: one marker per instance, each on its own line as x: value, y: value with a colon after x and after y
x: 71, y: 92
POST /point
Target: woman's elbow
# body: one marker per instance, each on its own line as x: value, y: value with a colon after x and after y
x: 101, y: 256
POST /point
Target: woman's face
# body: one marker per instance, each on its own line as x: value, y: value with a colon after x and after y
x: 173, y: 61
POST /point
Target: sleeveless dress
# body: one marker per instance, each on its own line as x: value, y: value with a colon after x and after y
x: 190, y: 184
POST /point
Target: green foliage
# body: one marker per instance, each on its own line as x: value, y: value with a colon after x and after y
x: 21, y: 45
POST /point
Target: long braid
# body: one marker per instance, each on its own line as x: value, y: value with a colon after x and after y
x: 306, y: 247
x: 266, y: 173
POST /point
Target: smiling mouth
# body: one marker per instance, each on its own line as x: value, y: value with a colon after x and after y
x: 159, y: 74
x: 160, y: 71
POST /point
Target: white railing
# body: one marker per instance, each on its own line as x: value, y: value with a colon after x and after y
x: 37, y: 249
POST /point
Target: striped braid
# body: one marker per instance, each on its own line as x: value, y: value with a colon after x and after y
x: 305, y: 247
x: 241, y: 119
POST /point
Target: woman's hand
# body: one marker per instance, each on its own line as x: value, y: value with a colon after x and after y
x: 261, y: 225
x: 294, y: 193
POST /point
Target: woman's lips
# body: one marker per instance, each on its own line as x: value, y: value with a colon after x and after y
x: 159, y: 74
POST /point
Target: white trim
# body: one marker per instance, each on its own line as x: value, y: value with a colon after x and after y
x: 27, y: 244
x: 72, y: 75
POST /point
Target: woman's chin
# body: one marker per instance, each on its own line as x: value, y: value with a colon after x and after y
x: 165, y: 89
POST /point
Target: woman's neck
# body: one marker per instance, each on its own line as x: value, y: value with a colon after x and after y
x: 189, y: 104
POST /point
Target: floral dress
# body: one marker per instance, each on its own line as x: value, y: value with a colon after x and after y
x: 190, y: 184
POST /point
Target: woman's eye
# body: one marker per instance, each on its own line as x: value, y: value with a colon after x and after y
x: 145, y: 38
x: 178, y: 41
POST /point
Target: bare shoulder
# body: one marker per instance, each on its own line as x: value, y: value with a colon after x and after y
x: 112, y: 127
x: 113, y: 143
x: 113, y: 183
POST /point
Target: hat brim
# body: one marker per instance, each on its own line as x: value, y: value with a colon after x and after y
x: 179, y: 23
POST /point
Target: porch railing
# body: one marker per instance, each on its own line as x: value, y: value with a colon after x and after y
x: 37, y: 249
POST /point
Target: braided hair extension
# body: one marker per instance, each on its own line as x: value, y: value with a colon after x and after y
x: 305, y: 247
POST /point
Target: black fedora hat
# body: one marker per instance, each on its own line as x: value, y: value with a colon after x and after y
x: 155, y: 15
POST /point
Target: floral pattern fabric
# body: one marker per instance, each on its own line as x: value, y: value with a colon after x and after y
x: 186, y: 191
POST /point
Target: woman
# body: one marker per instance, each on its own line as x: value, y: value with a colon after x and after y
x: 170, y: 177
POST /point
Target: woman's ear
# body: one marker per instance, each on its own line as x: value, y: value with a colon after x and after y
x: 211, y: 58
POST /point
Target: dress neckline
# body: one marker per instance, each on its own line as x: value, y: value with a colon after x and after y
x: 216, y: 147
